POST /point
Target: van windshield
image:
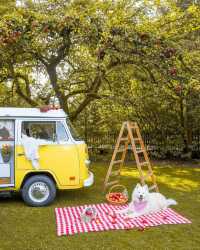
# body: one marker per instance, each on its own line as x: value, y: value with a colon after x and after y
x: 73, y: 131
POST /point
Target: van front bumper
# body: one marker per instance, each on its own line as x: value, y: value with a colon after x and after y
x: 89, y: 181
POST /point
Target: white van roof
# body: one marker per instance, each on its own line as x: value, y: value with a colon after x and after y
x: 31, y: 112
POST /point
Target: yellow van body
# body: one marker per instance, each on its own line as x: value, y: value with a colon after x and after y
x: 66, y: 164
x: 54, y: 161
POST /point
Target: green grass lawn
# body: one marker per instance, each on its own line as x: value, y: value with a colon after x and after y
x: 23, y: 227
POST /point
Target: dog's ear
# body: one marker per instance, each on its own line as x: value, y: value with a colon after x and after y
x: 146, y: 187
x: 138, y: 185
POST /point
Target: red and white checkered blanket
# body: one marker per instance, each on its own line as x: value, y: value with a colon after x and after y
x: 69, y: 222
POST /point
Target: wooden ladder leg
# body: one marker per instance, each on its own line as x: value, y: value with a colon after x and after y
x: 133, y: 146
x: 146, y: 157
x: 124, y: 153
x: 114, y: 155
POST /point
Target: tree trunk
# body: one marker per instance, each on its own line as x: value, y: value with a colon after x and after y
x: 185, y: 130
x: 51, y: 70
x: 86, y: 125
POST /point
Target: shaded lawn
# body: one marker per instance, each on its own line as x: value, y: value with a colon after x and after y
x: 23, y: 227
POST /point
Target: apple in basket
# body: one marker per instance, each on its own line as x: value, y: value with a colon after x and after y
x: 116, y: 197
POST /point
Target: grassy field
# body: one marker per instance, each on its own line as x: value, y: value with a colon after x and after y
x: 23, y: 227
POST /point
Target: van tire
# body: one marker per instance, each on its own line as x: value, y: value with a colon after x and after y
x: 38, y: 185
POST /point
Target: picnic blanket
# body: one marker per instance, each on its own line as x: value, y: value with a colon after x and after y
x: 69, y: 222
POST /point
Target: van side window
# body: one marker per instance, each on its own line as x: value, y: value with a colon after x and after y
x: 61, y: 133
x: 40, y: 130
x: 6, y: 130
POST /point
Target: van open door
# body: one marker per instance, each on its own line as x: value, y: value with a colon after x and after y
x: 7, y: 152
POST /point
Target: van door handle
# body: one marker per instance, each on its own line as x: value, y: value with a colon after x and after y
x: 20, y: 154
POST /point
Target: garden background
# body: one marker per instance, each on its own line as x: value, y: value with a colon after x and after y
x: 106, y: 62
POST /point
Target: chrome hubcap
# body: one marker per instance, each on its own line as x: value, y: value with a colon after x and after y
x: 39, y: 192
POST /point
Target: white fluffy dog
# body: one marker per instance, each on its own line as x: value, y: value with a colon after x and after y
x: 143, y: 202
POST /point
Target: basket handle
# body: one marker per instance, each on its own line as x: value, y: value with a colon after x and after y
x: 117, y: 185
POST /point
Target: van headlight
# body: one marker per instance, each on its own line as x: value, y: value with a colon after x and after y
x: 87, y: 162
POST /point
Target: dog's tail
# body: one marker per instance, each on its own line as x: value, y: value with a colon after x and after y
x: 171, y: 202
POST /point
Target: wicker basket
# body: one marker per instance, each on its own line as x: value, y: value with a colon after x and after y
x: 123, y: 192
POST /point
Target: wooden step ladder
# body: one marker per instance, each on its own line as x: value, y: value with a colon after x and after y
x: 137, y: 146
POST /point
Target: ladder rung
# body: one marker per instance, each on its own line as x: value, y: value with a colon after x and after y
x: 144, y: 163
x: 118, y: 161
x: 124, y: 139
x: 115, y: 173
x: 121, y: 150
x: 136, y: 139
x: 133, y: 126
x: 152, y: 187
x: 111, y: 183
x: 140, y: 151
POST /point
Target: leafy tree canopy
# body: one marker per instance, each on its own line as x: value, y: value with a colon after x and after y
x: 139, y: 55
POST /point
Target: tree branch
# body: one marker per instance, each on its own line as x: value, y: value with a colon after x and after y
x: 25, y: 97
x: 93, y: 90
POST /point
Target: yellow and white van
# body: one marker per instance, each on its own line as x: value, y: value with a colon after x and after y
x: 39, y: 153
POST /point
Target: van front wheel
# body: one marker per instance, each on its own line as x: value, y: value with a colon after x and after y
x: 38, y: 191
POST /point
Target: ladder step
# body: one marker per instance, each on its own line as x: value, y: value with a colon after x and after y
x: 144, y: 163
x: 115, y: 173
x: 133, y: 127
x: 121, y: 150
x: 136, y: 139
x: 118, y: 161
x: 153, y: 187
x: 124, y: 139
x: 140, y: 151
x: 111, y: 183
